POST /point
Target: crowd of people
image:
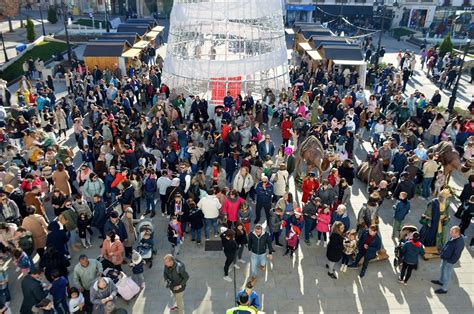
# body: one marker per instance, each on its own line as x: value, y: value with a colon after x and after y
x: 143, y: 145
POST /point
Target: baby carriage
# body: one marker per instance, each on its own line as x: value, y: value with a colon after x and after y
x: 145, y: 240
x: 126, y: 287
x: 405, y: 235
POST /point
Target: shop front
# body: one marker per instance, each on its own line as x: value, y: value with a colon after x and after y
x: 299, y: 13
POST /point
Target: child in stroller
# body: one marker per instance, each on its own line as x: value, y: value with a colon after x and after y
x: 145, y: 241
x: 405, y: 235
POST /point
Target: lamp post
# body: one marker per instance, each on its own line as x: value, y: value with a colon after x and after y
x: 41, y: 17
x: 107, y: 26
x: 4, y: 48
x: 379, y: 7
x: 69, y: 53
x: 452, y: 99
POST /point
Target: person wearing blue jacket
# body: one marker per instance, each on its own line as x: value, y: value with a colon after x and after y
x: 368, y: 245
x: 401, y: 208
x: 411, y: 250
x: 450, y: 255
x: 254, y: 300
x: 264, y: 193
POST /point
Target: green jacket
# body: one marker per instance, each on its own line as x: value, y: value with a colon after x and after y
x: 176, y: 276
x: 241, y: 309
x: 84, y: 277
x: 70, y: 216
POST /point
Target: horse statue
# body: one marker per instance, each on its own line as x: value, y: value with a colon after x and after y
x: 372, y: 169
x: 448, y: 156
x: 311, y: 150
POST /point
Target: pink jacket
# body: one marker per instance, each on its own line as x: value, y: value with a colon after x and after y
x: 323, y: 222
x: 231, y: 209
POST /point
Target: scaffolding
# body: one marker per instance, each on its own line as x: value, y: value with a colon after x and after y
x: 215, y: 46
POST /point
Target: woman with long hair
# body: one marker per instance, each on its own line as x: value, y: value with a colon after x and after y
x: 335, y: 247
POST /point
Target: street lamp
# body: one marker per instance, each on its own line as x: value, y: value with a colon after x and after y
x: 107, y: 27
x: 379, y: 7
x: 4, y: 48
x: 69, y: 53
x: 41, y: 17
x: 452, y: 99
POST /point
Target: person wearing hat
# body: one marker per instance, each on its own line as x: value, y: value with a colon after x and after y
x: 434, y: 221
x: 103, y: 295
x: 137, y: 266
x: 264, y: 194
x: 116, y: 225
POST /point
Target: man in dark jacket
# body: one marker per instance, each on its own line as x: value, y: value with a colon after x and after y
x: 176, y: 278
x: 399, y: 160
x: 258, y: 244
x: 369, y: 244
x: 404, y: 185
x: 116, y: 225
x: 266, y: 148
x: 32, y: 290
x: 310, y: 211
x: 264, y: 193
x: 450, y: 255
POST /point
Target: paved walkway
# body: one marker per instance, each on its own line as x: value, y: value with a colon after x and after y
x: 301, y: 284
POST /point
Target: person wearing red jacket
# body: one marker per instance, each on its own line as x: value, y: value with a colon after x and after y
x: 231, y: 208
x: 286, y: 126
x: 29, y: 182
x: 119, y: 178
x: 310, y: 186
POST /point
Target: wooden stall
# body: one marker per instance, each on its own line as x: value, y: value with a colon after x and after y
x: 140, y: 29
x: 106, y: 54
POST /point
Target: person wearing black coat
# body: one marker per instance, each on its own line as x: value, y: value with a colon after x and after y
x: 230, y: 247
x: 335, y: 248
x: 467, y: 190
x: 242, y: 240
x: 52, y: 260
x: 99, y: 217
x: 127, y: 197
x: 404, y: 185
x: 32, y: 290
x: 196, y: 219
x: 57, y: 238
x: 116, y: 225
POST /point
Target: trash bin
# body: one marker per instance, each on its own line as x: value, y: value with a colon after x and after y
x: 20, y: 48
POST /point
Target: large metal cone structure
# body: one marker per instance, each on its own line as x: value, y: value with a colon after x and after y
x: 226, y: 45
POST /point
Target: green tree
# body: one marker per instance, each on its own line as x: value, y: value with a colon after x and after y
x: 446, y: 46
x: 52, y: 15
x: 30, y: 30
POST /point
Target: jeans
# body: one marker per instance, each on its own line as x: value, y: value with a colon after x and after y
x: 208, y: 223
x: 361, y: 254
x: 150, y: 202
x: 446, y: 272
x: 426, y: 187
x: 257, y: 260
x: 61, y: 306
x: 309, y: 224
x: 196, y: 234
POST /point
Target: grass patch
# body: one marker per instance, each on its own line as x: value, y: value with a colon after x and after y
x: 400, y: 32
x: 88, y: 22
x: 44, y: 50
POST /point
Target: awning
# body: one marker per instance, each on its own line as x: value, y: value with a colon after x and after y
x: 348, y: 10
x: 130, y: 53
x: 152, y: 35
x: 289, y: 31
x: 296, y: 7
x: 305, y: 46
x: 158, y: 29
x: 350, y: 62
x: 314, y: 55
x: 141, y: 44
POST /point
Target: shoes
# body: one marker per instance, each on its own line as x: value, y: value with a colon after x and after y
x: 242, y: 261
x: 227, y: 278
x: 286, y: 253
x: 207, y: 239
x: 216, y: 235
x: 152, y: 215
x: 437, y: 282
x: 278, y: 245
x: 343, y: 268
x: 319, y: 242
x: 441, y: 291
x: 362, y: 274
x: 307, y: 242
x: 327, y: 266
x: 162, y: 214
x: 236, y: 266
x: 174, y: 309
x: 332, y: 275
x: 325, y: 244
x: 353, y: 265
x: 146, y: 212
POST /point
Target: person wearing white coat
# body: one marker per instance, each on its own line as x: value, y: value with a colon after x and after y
x: 243, y: 182
x: 280, y: 182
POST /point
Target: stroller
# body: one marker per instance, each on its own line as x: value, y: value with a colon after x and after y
x: 145, y: 240
x: 405, y: 235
